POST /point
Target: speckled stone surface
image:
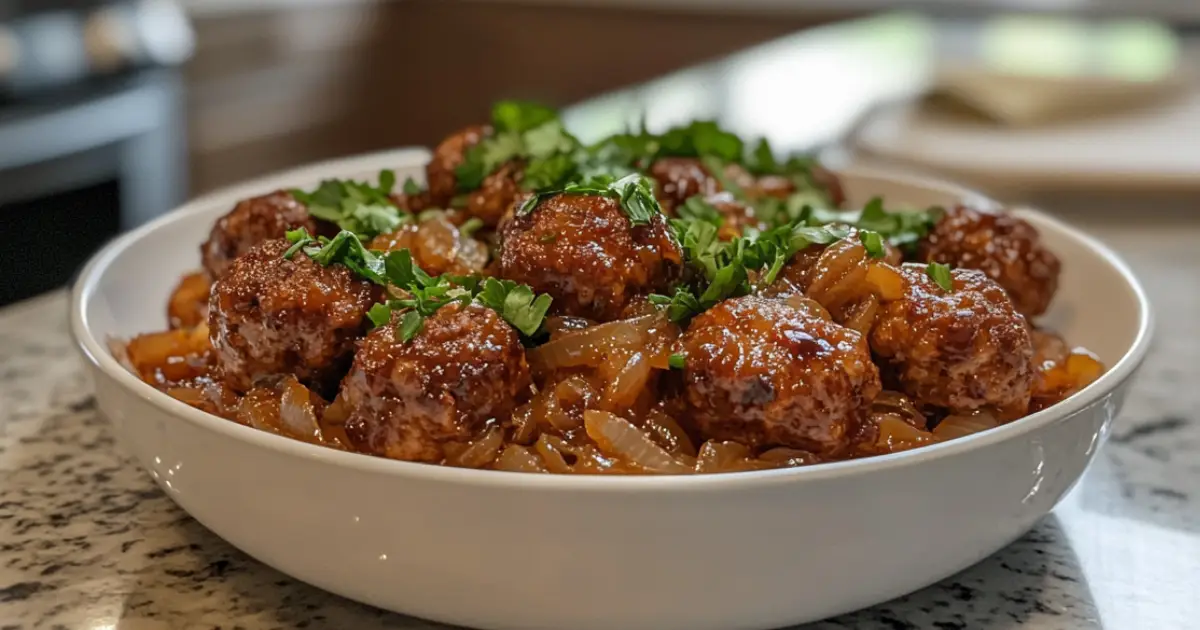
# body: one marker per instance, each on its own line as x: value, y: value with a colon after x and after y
x: 88, y: 541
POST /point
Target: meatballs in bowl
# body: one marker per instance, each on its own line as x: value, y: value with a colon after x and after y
x: 715, y: 361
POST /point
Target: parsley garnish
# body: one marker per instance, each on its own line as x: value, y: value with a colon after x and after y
x: 697, y: 208
x: 516, y: 303
x: 873, y: 243
x: 940, y: 274
x: 357, y: 207
x: 901, y: 229
x: 634, y: 192
x: 411, y: 187
x: 525, y: 131
x: 677, y: 361
x: 702, y: 138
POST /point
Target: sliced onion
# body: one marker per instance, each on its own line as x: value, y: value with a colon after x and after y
x: 617, y: 436
x: 590, y: 346
x: 897, y: 435
x: 623, y: 390
x: 297, y: 414
x: 669, y: 434
x: 885, y: 281
x: 789, y: 457
x: 809, y: 306
x: 961, y: 425
x: 516, y: 458
x: 861, y: 316
x: 525, y: 425
x: 479, y: 452
x: 717, y: 456
x: 548, y: 448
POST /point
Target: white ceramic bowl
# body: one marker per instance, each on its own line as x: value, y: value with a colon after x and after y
x: 504, y: 550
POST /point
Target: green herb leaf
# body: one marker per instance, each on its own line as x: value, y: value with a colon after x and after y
x: 380, y: 314
x: 411, y: 324
x: 762, y: 159
x: 411, y: 187
x: 548, y: 172
x: 678, y: 361
x: 634, y: 192
x: 873, y: 243
x: 520, y: 116
x: 387, y: 181
x: 298, y: 238
x: 702, y: 138
x: 940, y: 274
x: 697, y: 208
x: 354, y: 206
x: 470, y: 226
x: 347, y: 250
x: 516, y: 303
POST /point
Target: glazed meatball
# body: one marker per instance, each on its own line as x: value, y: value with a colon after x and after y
x: 1004, y: 247
x: 737, y: 216
x: 448, y: 156
x: 437, y: 247
x: 251, y: 222
x: 764, y: 373
x: 496, y: 194
x: 782, y: 187
x: 585, y: 253
x: 680, y: 178
x: 962, y: 349
x: 407, y: 399
x: 270, y: 316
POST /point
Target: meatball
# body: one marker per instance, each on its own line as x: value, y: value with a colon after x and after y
x: 961, y: 349
x: 437, y: 246
x: 782, y: 187
x: 585, y: 253
x: 251, y: 222
x: 496, y: 194
x: 407, y: 399
x: 763, y: 373
x: 271, y: 316
x: 737, y: 216
x: 680, y: 178
x: 448, y: 156
x: 1004, y: 247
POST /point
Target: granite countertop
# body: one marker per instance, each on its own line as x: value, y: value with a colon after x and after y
x: 88, y: 541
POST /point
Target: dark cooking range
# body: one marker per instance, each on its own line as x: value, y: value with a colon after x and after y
x: 91, y: 130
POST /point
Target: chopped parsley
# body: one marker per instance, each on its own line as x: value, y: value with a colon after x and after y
x: 411, y: 187
x: 678, y: 361
x: 357, y: 207
x: 515, y: 303
x: 702, y: 138
x: 634, y: 192
x: 873, y: 243
x: 526, y: 131
x: 697, y: 208
x: 902, y: 229
x: 940, y: 274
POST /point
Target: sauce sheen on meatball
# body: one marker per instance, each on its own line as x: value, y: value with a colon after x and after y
x: 407, y: 399
x: 585, y: 253
x: 251, y: 222
x: 1006, y: 248
x: 962, y: 349
x: 764, y: 373
x: 270, y: 316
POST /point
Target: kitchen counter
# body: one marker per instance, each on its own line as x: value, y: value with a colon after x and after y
x: 88, y: 541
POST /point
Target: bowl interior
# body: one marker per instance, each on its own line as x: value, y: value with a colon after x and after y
x: 123, y: 291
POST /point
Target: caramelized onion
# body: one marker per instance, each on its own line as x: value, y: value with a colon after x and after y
x: 716, y: 456
x: 669, y: 434
x: 897, y: 435
x: 789, y: 457
x: 960, y: 425
x: 885, y: 281
x: 623, y: 390
x: 549, y: 448
x: 619, y: 437
x: 809, y: 306
x: 590, y: 346
x: 516, y: 458
x: 297, y: 413
x: 480, y: 452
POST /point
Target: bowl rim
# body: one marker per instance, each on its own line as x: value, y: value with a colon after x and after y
x: 97, y: 354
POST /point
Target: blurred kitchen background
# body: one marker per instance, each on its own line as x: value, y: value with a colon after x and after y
x: 112, y: 112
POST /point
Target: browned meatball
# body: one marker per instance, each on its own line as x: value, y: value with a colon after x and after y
x: 437, y: 246
x: 271, y: 316
x: 496, y: 194
x: 251, y: 222
x: 782, y: 187
x: 962, y: 349
x: 737, y: 216
x: 763, y: 373
x: 586, y: 254
x: 407, y: 399
x: 679, y: 178
x: 1006, y: 248
x: 448, y: 156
